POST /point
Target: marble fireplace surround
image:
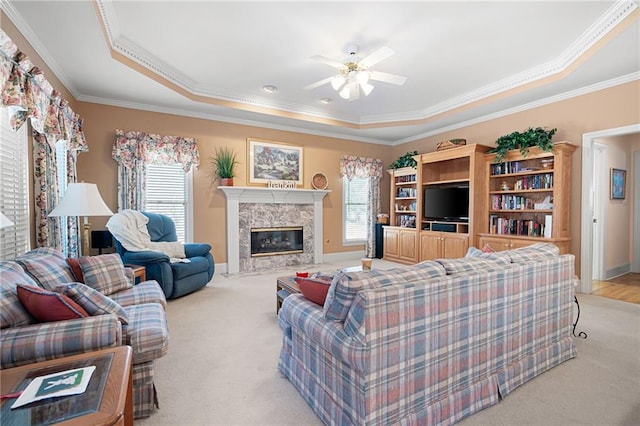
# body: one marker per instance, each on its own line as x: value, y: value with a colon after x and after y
x: 237, y: 195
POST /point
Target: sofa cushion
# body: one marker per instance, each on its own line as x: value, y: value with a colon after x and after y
x: 147, y: 332
x: 47, y: 306
x: 47, y: 267
x: 487, y: 262
x: 12, y: 313
x: 195, y: 265
x: 145, y: 292
x: 104, y: 273
x: 345, y: 286
x: 92, y: 301
x: 534, y: 252
x: 314, y: 288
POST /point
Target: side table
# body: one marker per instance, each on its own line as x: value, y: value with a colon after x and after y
x: 108, y: 399
x: 284, y: 287
x: 138, y: 272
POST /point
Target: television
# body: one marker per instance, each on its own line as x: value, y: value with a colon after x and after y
x: 449, y: 203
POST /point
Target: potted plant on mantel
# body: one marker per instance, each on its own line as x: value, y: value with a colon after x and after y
x: 223, y: 166
x: 523, y: 141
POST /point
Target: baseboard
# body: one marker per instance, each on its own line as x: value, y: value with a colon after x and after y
x: 617, y: 271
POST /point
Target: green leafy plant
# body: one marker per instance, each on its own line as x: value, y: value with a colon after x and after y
x: 223, y: 164
x: 523, y: 141
x: 406, y: 160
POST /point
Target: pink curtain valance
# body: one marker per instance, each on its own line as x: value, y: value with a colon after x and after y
x: 29, y: 95
x: 131, y: 147
x: 360, y: 167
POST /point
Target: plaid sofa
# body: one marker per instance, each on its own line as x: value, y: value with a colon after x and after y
x: 23, y: 340
x: 432, y: 343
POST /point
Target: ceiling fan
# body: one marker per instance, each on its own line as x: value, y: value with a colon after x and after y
x: 355, y: 73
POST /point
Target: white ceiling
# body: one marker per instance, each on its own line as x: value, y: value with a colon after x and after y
x: 464, y: 61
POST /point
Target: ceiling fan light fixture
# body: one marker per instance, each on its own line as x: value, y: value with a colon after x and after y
x: 344, y: 93
x: 337, y: 82
x: 366, y: 88
x: 363, y: 77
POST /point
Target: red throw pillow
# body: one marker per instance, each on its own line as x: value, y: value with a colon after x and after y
x: 47, y: 306
x: 314, y: 289
x: 76, y: 269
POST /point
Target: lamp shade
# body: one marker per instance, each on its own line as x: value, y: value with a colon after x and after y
x: 4, y: 221
x: 81, y: 199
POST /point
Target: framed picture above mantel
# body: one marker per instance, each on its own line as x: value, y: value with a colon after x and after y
x: 270, y: 160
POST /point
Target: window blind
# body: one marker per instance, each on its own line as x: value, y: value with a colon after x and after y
x: 167, y: 194
x: 14, y: 188
x: 356, y: 194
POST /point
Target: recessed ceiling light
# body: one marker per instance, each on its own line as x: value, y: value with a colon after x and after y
x: 269, y: 88
x: 326, y: 100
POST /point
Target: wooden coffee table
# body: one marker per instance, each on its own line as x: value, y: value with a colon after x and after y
x: 108, y: 399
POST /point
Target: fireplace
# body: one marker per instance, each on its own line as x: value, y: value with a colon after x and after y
x: 277, y: 241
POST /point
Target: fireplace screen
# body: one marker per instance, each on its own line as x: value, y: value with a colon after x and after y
x: 276, y: 241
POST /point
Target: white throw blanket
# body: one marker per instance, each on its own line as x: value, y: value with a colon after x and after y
x: 129, y: 227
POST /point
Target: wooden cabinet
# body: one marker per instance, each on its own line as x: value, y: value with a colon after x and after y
x: 400, y: 244
x: 528, y: 198
x: 437, y: 245
x: 404, y: 197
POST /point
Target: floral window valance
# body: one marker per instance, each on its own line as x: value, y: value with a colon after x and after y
x: 360, y: 167
x: 29, y: 95
x: 131, y: 147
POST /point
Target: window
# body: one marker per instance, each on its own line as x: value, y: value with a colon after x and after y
x: 14, y: 192
x: 169, y: 193
x: 355, y: 198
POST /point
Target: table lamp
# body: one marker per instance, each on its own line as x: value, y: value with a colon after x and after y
x: 4, y: 221
x: 82, y: 199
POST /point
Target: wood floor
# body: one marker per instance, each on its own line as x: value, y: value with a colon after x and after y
x: 625, y: 288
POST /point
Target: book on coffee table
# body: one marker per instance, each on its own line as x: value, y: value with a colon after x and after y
x: 64, y: 383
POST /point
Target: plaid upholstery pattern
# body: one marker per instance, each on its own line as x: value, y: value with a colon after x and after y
x: 538, y: 251
x: 145, y: 292
x: 145, y: 399
x: 105, y: 273
x: 47, y: 267
x: 41, y: 342
x: 345, y: 286
x: 92, y: 301
x: 147, y: 332
x: 470, y: 264
x: 12, y: 313
x: 431, y: 352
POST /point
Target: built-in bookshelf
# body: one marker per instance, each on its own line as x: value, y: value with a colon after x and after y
x: 528, y: 198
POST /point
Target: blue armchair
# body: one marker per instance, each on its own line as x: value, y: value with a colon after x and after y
x: 176, y: 279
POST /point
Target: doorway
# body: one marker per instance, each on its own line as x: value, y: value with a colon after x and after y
x: 588, y: 203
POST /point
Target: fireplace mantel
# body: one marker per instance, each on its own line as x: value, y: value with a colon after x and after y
x: 261, y: 195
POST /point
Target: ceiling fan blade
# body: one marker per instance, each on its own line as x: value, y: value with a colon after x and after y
x: 318, y: 83
x: 377, y: 56
x: 387, y: 78
x: 330, y: 62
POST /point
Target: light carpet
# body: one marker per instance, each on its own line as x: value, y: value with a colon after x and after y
x: 221, y: 368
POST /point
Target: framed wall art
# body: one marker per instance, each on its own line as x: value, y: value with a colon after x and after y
x: 618, y: 184
x: 274, y: 161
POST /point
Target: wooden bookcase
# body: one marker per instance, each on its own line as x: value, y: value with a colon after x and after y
x: 516, y: 212
x: 400, y: 237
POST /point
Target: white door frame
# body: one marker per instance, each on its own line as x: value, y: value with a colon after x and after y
x: 586, y: 213
x: 599, y: 217
x: 636, y: 213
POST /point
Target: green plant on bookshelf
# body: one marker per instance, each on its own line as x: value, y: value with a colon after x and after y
x: 405, y: 160
x: 523, y: 141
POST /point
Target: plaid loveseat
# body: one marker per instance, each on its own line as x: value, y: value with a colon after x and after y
x: 432, y: 343
x: 23, y: 340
